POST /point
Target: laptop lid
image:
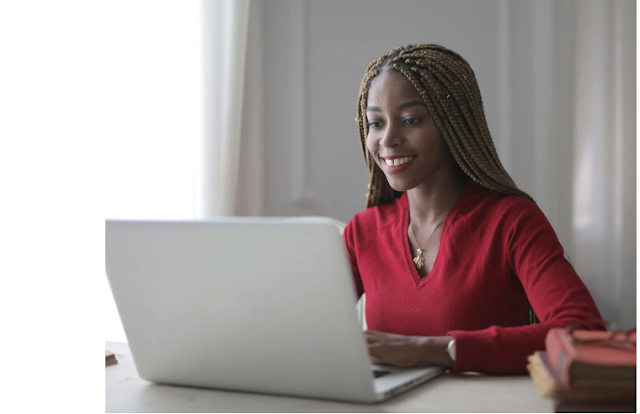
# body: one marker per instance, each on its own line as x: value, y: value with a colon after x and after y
x: 249, y: 304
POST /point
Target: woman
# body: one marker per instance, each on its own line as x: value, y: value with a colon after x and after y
x: 451, y: 254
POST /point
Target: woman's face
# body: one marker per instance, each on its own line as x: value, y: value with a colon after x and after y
x: 403, y: 137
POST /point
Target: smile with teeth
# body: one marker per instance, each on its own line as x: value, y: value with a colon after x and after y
x: 397, y: 161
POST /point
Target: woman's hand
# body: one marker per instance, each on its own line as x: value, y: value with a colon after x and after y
x: 408, y: 351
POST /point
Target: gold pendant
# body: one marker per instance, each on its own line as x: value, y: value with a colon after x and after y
x: 419, y: 260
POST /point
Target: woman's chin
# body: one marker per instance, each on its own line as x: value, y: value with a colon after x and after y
x: 399, y: 186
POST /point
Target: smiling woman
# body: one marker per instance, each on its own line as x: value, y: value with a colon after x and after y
x: 451, y: 253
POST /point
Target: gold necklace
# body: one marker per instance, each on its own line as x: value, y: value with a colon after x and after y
x: 419, y: 260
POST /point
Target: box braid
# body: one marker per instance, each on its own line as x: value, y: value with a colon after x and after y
x: 449, y: 88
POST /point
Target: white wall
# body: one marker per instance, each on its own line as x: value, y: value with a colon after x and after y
x: 523, y: 54
x: 316, y: 53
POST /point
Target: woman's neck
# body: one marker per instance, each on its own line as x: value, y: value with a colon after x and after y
x: 431, y: 201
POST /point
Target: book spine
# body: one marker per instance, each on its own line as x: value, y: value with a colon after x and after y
x: 560, y: 356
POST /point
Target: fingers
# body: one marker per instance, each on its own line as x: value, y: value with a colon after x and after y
x: 390, y: 349
x: 376, y: 361
x: 378, y: 350
x: 373, y: 337
x: 377, y: 355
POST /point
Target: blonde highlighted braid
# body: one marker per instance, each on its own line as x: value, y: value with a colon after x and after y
x: 449, y: 88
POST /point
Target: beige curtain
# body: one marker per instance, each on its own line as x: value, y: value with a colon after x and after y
x: 567, y: 133
x: 604, y: 216
x: 232, y: 101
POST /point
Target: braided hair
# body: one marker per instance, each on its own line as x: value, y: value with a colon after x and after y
x: 449, y: 88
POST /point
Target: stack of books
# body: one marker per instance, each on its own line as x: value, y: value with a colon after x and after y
x: 110, y: 358
x: 587, y: 371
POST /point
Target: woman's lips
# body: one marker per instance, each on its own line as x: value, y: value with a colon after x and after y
x: 396, y: 169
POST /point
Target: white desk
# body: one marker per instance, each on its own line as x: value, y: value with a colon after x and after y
x: 127, y: 392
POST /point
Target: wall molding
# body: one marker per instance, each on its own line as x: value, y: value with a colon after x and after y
x: 534, y: 102
x: 543, y: 104
x: 301, y: 194
x: 503, y: 143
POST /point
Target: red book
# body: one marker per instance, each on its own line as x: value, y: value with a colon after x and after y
x: 592, y: 358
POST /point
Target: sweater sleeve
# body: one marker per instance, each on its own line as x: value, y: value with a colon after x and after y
x: 348, y: 240
x: 556, y: 293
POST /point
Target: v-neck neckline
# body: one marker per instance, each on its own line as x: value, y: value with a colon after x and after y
x: 404, y: 228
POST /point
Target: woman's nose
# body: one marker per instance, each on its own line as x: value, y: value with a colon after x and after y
x: 392, y: 137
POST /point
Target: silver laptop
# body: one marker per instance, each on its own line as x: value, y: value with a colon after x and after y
x: 261, y: 305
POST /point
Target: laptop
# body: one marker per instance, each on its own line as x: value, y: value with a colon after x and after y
x: 263, y: 305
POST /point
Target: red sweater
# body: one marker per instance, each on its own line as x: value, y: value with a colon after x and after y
x: 498, y: 256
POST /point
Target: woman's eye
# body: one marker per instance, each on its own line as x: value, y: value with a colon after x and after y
x: 412, y: 121
x: 374, y: 124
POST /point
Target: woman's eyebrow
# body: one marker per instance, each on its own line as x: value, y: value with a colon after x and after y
x: 411, y: 103
x: 401, y: 106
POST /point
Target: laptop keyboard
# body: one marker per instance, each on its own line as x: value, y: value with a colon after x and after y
x: 378, y: 374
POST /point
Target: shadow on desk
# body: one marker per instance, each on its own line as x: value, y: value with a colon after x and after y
x: 168, y: 398
x: 125, y: 391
